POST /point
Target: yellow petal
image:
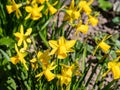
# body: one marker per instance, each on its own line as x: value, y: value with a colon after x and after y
x: 39, y: 54
x: 62, y: 50
x: 93, y: 21
x: 116, y: 72
x: 53, y: 43
x: 28, y: 40
x: 21, y: 29
x: 106, y: 73
x: 33, y: 60
x: 14, y: 59
x: 39, y: 75
x: 83, y: 29
x: 51, y: 8
x: 10, y: 9
x: 72, y: 4
x: 40, y: 8
x: 28, y: 8
x: 41, y: 1
x: 49, y: 75
x: 16, y: 48
x: 28, y: 16
x: 61, y: 41
x: 87, y: 9
x: 69, y: 12
x: 20, y: 42
x: 70, y: 43
x: 17, y: 34
x: 105, y: 47
x: 76, y: 14
x: 29, y: 31
x: 53, y: 51
x: 24, y: 48
x: 62, y: 56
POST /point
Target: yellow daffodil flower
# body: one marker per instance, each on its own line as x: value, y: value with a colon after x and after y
x: 82, y: 28
x: 23, y: 38
x: 51, y: 8
x: 85, y: 6
x: 14, y: 7
x: 47, y: 72
x: 61, y: 47
x: 93, y: 20
x: 72, y: 13
x: 19, y: 58
x: 44, y: 57
x: 114, y: 66
x: 34, y: 12
x: 105, y: 47
x: 66, y: 74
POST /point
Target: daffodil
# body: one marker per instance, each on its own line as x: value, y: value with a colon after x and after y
x: 66, y: 74
x: 114, y: 66
x: 93, y: 20
x: 47, y: 72
x: 14, y: 7
x: 23, y: 38
x: 61, y: 47
x: 104, y: 46
x: 51, y: 9
x: 82, y: 28
x: 19, y: 57
x: 34, y: 12
x: 85, y: 6
x: 72, y: 13
x: 44, y: 57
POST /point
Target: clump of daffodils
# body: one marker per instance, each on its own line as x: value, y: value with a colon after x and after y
x: 49, y: 63
x: 74, y: 12
x: 52, y: 58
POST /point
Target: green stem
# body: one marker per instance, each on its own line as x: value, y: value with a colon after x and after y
x: 44, y: 39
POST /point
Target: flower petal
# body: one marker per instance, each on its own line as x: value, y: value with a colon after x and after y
x: 70, y: 43
x: 14, y: 59
x: 49, y: 75
x: 53, y: 51
x: 28, y: 8
x: 53, y: 43
x: 61, y: 41
x: 29, y: 31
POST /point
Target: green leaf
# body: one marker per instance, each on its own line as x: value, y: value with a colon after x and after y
x: 116, y: 20
x: 105, y: 5
x: 6, y: 41
x: 8, y: 84
x: 11, y: 84
x: 1, y: 32
x: 5, y: 54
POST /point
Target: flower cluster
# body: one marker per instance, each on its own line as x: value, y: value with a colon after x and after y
x: 52, y: 56
x: 34, y: 8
